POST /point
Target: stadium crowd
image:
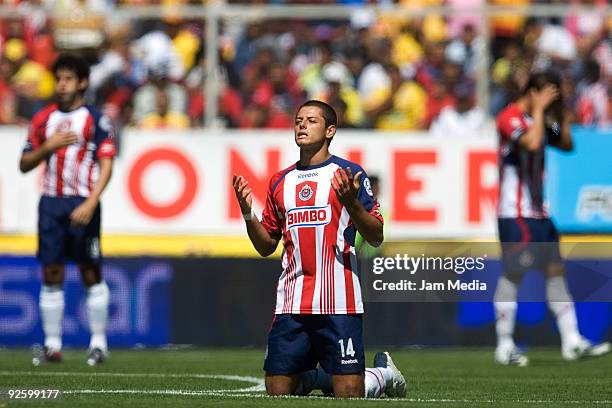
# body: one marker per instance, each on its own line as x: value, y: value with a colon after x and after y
x: 378, y: 70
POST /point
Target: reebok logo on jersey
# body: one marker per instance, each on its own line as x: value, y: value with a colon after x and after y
x: 307, y: 175
x: 308, y: 216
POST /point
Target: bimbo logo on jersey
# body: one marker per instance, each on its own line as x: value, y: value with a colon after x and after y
x: 308, y: 216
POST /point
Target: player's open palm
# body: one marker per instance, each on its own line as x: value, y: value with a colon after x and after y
x: 243, y: 193
x: 545, y: 96
x: 346, y: 186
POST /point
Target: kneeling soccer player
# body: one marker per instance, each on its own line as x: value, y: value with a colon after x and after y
x: 316, y: 206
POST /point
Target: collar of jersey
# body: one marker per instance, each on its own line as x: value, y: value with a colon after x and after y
x: 315, y: 166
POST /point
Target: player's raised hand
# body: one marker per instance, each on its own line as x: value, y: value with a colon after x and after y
x: 545, y: 96
x: 243, y: 193
x: 61, y: 139
x: 346, y: 186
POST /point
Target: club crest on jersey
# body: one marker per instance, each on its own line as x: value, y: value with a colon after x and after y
x: 308, y: 216
x: 64, y: 126
x: 305, y: 193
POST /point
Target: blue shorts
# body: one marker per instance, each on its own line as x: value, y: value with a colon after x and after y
x: 296, y: 343
x: 58, y: 241
x: 528, y: 244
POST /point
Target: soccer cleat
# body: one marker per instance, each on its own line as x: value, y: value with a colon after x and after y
x: 95, y: 356
x: 510, y: 356
x: 45, y: 355
x: 583, y: 349
x: 396, y: 388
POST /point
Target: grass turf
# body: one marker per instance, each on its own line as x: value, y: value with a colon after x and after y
x: 445, y: 377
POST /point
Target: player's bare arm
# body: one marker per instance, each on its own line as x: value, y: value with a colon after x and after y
x: 30, y: 160
x: 533, y: 139
x: 264, y: 244
x: 83, y: 213
x: 346, y: 186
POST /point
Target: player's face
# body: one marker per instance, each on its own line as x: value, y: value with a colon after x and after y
x: 310, y: 127
x: 68, y: 86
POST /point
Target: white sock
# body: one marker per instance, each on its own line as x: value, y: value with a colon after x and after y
x: 505, y: 311
x: 561, y: 304
x: 97, y: 312
x: 52, y: 314
x: 376, y: 380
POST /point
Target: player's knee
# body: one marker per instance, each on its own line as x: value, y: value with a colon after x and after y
x: 555, y: 269
x: 53, y: 274
x: 276, y: 387
x: 90, y: 273
x: 353, y: 388
x: 349, y: 391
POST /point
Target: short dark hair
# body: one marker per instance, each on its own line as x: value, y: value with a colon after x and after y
x: 73, y: 63
x: 329, y: 114
x: 592, y: 71
x: 539, y: 80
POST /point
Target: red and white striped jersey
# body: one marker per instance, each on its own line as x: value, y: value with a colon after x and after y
x: 320, y: 273
x: 521, y: 177
x: 72, y: 170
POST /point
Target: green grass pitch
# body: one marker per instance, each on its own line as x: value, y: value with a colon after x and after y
x: 233, y: 378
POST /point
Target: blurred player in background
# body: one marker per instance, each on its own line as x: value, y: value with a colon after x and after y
x: 525, y: 127
x: 75, y: 142
x: 316, y: 206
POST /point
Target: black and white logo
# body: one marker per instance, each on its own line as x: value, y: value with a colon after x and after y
x: 368, y: 187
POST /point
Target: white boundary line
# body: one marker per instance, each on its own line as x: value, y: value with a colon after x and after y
x: 230, y: 394
x: 258, y: 387
x: 258, y: 383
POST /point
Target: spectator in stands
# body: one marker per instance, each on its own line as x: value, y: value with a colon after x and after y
x: 397, y: 106
x: 429, y: 71
x: 155, y: 49
x: 341, y: 95
x: 162, y: 118
x: 374, y: 75
x: 593, y: 107
x: 311, y: 79
x: 286, y: 92
x: 465, y: 50
x: 31, y: 81
x: 510, y: 73
x: 160, y: 101
x: 407, y: 49
x: 463, y: 119
x: 246, y: 46
x: 260, y: 115
x: 458, y: 22
x: 186, y: 42
x: 555, y: 46
x: 340, y: 62
x: 230, y: 102
x: 8, y: 98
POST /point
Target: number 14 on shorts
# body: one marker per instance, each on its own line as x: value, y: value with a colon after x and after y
x: 349, y: 351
